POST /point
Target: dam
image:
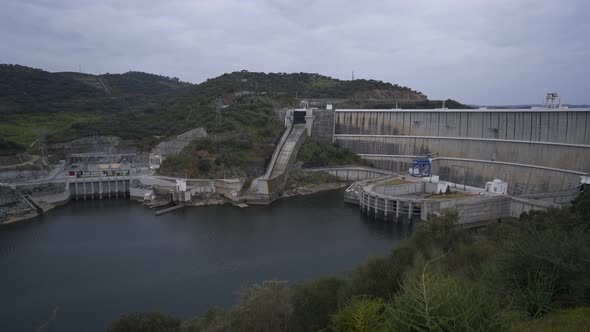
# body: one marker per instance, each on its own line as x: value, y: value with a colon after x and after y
x: 541, y: 154
x: 539, y: 157
x: 534, y: 150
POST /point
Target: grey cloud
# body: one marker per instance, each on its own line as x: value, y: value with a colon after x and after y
x: 487, y: 52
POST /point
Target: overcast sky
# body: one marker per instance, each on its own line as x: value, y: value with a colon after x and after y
x: 479, y: 52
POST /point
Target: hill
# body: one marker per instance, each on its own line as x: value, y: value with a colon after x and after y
x: 35, y: 104
x: 144, y: 108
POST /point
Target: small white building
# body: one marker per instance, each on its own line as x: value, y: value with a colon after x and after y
x: 180, y: 185
x: 497, y: 186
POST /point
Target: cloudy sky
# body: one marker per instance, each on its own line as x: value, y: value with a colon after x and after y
x: 475, y: 51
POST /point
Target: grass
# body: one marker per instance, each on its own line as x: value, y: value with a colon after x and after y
x: 26, y: 128
x: 452, y: 195
x: 577, y: 319
x: 393, y: 182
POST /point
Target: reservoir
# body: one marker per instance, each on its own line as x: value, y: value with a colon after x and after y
x: 82, y: 265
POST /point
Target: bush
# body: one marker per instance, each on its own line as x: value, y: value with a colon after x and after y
x: 430, y: 302
x: 441, y: 233
x: 536, y: 296
x: 214, y: 320
x: 315, y: 301
x: 552, y: 243
x: 361, y: 314
x: 377, y: 277
x: 146, y: 322
x: 204, y: 165
x: 265, y: 307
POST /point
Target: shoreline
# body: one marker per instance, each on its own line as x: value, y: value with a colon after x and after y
x: 314, y: 188
x: 300, y: 191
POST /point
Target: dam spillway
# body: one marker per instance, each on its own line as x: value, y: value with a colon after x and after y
x: 535, y: 150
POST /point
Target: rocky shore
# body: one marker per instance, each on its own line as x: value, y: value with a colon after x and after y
x: 14, y: 208
x: 315, y: 188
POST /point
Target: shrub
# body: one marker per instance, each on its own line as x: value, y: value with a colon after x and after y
x: 361, y: 314
x: 439, y: 234
x: 214, y: 320
x: 204, y: 165
x: 536, y: 296
x: 553, y: 243
x: 377, y: 277
x: 146, y: 322
x: 315, y: 301
x: 430, y: 302
x: 265, y: 307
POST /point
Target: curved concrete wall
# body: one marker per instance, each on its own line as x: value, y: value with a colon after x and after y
x: 560, y: 125
x: 574, y: 157
x: 533, y: 150
x: 522, y: 178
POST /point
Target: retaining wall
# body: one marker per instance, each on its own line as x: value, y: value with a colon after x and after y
x: 471, y: 210
x: 351, y: 173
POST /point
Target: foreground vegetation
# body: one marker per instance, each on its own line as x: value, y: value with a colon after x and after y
x: 533, y: 275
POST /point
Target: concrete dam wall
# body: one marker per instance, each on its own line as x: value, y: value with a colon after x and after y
x: 534, y: 150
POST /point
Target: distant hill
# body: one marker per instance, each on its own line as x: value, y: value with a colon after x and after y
x: 306, y: 85
x: 142, y: 107
x: 29, y: 90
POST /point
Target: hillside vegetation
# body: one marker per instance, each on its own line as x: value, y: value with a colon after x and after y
x: 146, y: 109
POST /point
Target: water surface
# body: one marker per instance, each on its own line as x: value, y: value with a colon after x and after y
x: 96, y: 259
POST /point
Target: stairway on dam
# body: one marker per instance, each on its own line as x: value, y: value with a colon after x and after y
x: 268, y: 187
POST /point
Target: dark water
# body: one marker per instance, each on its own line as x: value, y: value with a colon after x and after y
x: 94, y: 260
